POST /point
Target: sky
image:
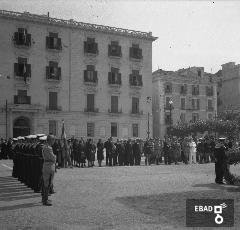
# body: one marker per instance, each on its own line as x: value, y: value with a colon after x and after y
x: 190, y: 33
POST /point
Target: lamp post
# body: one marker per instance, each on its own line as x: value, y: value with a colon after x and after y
x: 170, y: 108
x: 148, y: 130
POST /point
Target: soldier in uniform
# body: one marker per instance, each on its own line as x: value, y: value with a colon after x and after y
x: 220, y: 161
x: 48, y: 169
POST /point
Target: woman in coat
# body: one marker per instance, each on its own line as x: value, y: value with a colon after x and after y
x: 100, y: 157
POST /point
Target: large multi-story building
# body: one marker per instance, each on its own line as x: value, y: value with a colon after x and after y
x: 186, y: 95
x: 96, y: 78
x: 229, y: 88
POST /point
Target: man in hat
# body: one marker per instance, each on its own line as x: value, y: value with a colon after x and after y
x: 220, y: 160
x: 48, y: 169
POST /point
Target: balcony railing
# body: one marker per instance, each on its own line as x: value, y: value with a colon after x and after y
x: 54, y: 78
x: 210, y: 108
x: 133, y: 112
x: 54, y: 108
x: 22, y: 99
x: 91, y: 110
x: 115, y: 111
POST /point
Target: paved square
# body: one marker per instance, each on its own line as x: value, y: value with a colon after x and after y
x: 137, y: 197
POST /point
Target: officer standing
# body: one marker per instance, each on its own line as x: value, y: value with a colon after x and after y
x: 220, y: 161
x: 48, y: 169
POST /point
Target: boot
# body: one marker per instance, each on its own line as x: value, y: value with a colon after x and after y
x: 45, y: 200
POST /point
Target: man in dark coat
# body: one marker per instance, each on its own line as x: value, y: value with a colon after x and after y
x: 100, y: 156
x: 108, y: 145
x: 129, y: 152
x: 220, y: 161
x: 136, y: 153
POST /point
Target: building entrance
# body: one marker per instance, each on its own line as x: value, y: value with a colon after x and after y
x: 21, y: 127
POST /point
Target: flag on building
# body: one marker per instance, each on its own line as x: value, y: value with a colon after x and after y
x: 63, y: 135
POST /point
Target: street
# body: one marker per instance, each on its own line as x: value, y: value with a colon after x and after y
x: 137, y: 197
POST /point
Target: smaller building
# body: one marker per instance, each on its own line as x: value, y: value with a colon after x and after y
x: 186, y: 95
x: 229, y: 88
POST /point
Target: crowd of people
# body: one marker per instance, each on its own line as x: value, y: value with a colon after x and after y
x: 84, y: 153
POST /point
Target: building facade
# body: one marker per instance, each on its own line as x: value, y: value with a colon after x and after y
x: 229, y: 88
x: 186, y: 95
x: 95, y: 78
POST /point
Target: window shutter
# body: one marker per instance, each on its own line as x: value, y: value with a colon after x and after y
x: 139, y: 53
x: 119, y: 49
x: 16, y: 37
x: 193, y: 104
x: 96, y: 48
x: 140, y: 80
x: 130, y: 79
x: 59, y: 73
x: 131, y: 52
x: 53, y: 100
x: 85, y: 76
x: 28, y: 70
x: 90, y: 102
x: 16, y: 69
x: 59, y: 43
x: 119, y: 79
x: 109, y: 50
x: 47, y: 72
x: 95, y: 76
x: 47, y: 42
x: 28, y: 40
x: 85, y: 47
x: 110, y: 77
x: 198, y: 103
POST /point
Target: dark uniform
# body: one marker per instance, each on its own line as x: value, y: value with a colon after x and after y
x: 220, y: 163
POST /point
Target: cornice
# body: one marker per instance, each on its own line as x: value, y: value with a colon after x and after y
x: 74, y: 24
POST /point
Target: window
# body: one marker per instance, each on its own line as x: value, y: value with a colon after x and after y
x: 168, y: 88
x: 135, y: 52
x: 195, y: 104
x: 90, y: 129
x: 90, y: 102
x: 53, y: 71
x: 22, y: 37
x: 209, y: 91
x: 183, y: 103
x: 199, y: 73
x: 183, y: 117
x: 135, y: 130
x: 114, y: 104
x: 135, y: 79
x: 22, y: 69
x: 90, y: 46
x: 53, y: 41
x: 210, y: 105
x: 114, y: 49
x: 183, y: 89
x: 195, y: 117
x: 195, y: 89
x: 167, y: 119
x: 22, y: 98
x: 167, y: 100
x: 114, y: 77
x: 210, y: 116
x: 113, y: 129
x: 90, y: 75
x: 135, y: 105
x: 53, y: 127
x: 53, y: 101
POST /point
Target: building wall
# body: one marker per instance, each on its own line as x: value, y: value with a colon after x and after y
x: 229, y: 93
x: 178, y: 78
x: 71, y: 88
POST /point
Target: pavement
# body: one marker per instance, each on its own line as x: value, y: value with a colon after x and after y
x: 119, y: 198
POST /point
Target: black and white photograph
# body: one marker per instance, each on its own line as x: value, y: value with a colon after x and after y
x: 119, y: 115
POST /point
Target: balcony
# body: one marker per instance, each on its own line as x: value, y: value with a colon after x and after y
x: 114, y: 51
x: 210, y: 108
x: 135, y: 54
x: 54, y: 108
x: 90, y: 49
x: 209, y: 93
x: 136, y: 112
x: 92, y: 81
x: 22, y: 99
x: 22, y: 40
x: 113, y: 111
x: 195, y: 92
x: 136, y: 83
x: 91, y: 110
x: 53, y: 78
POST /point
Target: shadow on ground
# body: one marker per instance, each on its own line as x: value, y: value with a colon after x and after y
x: 11, y: 190
x: 169, y: 209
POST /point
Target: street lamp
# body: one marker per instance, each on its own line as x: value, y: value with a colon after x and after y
x: 170, y: 108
